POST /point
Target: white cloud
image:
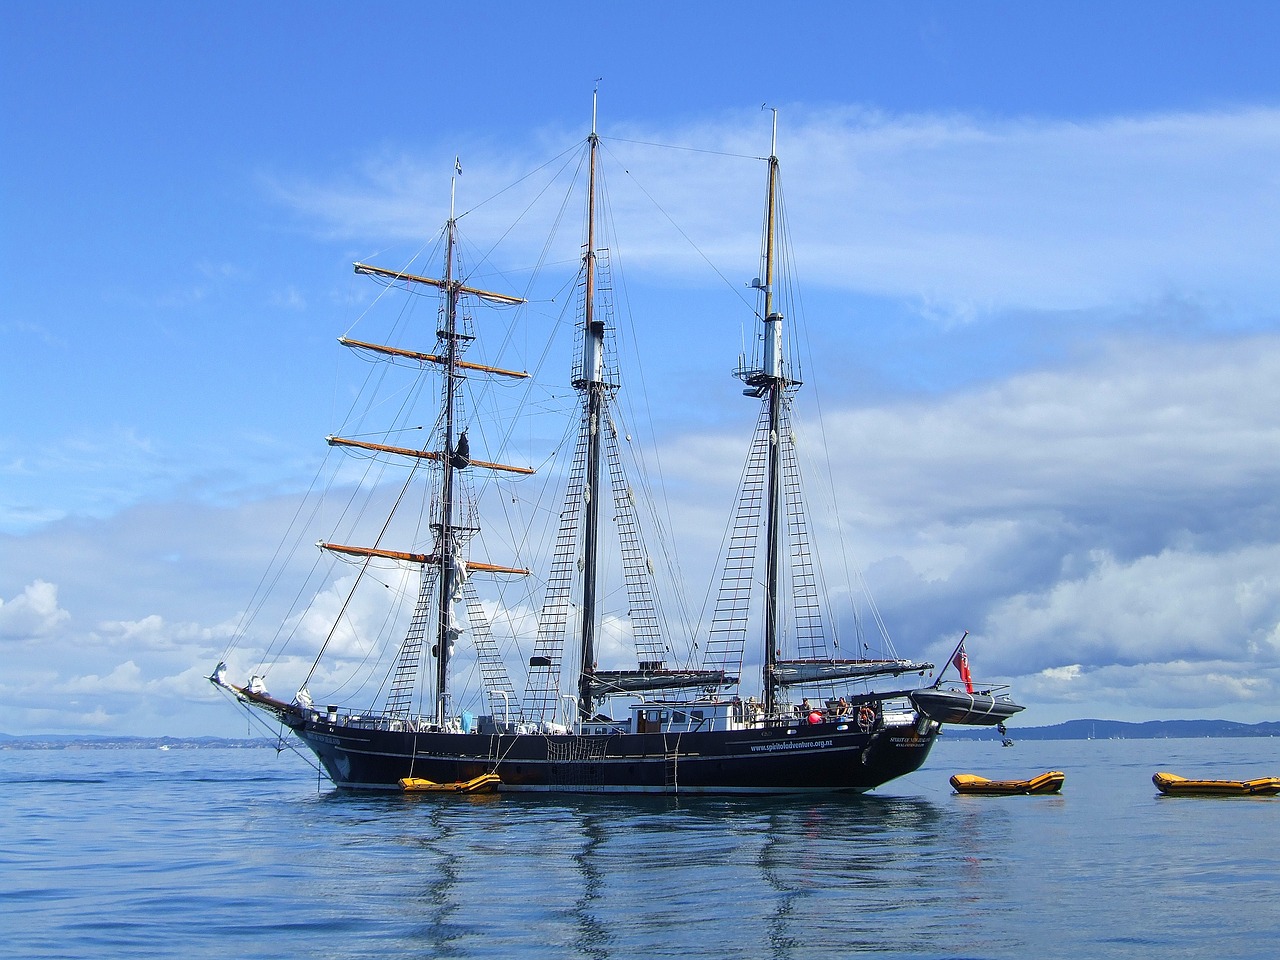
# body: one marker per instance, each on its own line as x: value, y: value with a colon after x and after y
x: 288, y: 298
x: 33, y: 613
x: 100, y: 463
x: 154, y: 633
x: 1043, y: 214
x: 1175, y: 605
x: 1140, y: 427
x: 959, y: 214
x: 125, y: 678
x: 1173, y: 690
x: 1105, y: 528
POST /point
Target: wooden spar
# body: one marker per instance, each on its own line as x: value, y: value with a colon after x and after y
x: 419, y: 454
x: 379, y: 552
x: 428, y: 357
x: 442, y: 284
x: 482, y: 567
x: 407, y: 557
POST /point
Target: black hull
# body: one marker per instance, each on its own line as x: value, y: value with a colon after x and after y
x: 796, y: 759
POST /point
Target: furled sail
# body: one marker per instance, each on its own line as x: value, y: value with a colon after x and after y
x: 606, y: 682
x: 408, y: 557
x: 794, y: 672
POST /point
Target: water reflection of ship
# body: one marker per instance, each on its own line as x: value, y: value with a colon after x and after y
x: 783, y: 878
x: 609, y: 876
x: 823, y: 861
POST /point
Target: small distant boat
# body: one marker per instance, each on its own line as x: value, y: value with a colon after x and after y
x: 1175, y: 786
x: 485, y: 783
x: 1049, y: 782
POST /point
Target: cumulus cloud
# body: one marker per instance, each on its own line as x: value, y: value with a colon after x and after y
x: 125, y: 678
x: 1111, y: 515
x: 154, y: 633
x: 33, y: 613
x: 1173, y: 689
x: 1141, y: 427
x: 1175, y: 605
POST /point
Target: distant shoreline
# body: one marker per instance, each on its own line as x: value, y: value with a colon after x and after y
x: 72, y: 741
x: 1121, y: 730
x: 1070, y: 730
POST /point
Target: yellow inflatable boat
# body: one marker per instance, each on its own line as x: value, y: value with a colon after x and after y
x: 1050, y: 782
x: 1175, y: 786
x: 485, y: 783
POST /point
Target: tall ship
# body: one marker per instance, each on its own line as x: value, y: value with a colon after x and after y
x: 756, y: 696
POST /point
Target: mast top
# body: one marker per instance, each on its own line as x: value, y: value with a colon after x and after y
x: 595, y: 95
x: 453, y: 182
x: 774, y: 369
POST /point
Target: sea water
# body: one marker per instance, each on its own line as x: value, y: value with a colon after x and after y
x: 246, y: 853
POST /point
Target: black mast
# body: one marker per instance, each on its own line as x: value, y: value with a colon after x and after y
x: 592, y: 384
x: 775, y: 386
x: 447, y: 541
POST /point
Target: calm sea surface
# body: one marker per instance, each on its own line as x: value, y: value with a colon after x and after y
x: 242, y: 853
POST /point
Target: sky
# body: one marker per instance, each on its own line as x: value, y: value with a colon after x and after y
x: 1037, y: 245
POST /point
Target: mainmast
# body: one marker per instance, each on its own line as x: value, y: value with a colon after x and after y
x: 593, y: 386
x: 596, y: 494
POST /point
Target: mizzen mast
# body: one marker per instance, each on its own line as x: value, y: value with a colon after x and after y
x: 770, y: 381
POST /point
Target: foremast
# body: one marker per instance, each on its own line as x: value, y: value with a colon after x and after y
x: 445, y: 567
x: 450, y: 569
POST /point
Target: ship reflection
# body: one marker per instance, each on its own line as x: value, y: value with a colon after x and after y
x: 602, y: 876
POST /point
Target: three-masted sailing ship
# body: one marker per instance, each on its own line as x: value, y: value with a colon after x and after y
x: 804, y: 719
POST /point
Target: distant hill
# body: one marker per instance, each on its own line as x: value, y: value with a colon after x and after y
x: 73, y: 741
x: 1122, y: 730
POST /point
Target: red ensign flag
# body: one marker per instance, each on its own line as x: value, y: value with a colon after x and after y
x: 961, y: 661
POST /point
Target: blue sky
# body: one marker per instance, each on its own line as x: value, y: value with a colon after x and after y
x: 1037, y: 243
